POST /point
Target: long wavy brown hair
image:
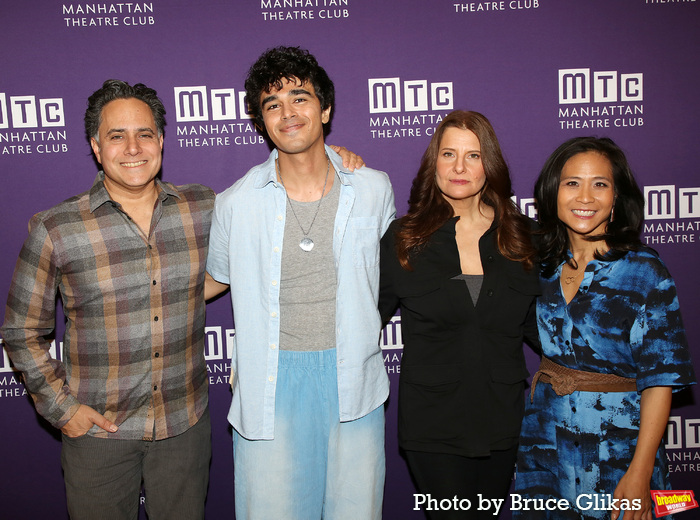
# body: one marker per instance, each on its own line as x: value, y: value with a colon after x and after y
x: 428, y: 210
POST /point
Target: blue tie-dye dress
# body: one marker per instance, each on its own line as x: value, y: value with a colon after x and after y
x: 623, y: 320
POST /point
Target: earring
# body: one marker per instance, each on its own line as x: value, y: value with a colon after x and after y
x: 612, y: 211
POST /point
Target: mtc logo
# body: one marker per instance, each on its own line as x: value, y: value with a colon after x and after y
x: 577, y: 85
x: 660, y: 202
x: 391, y: 337
x: 27, y: 112
x: 5, y: 365
x: 389, y: 95
x: 677, y: 430
x: 196, y: 104
x: 219, y: 343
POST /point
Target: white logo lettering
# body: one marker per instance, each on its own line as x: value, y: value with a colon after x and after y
x: 385, y: 95
x: 219, y: 343
x: 660, y: 202
x: 26, y: 112
x: 576, y: 86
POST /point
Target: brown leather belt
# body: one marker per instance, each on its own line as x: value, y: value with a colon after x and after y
x: 566, y: 380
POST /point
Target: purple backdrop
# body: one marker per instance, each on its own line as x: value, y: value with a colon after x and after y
x: 541, y: 70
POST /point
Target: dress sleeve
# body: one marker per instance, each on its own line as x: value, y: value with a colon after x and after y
x: 388, y: 300
x: 662, y: 354
x: 530, y: 331
x: 30, y: 318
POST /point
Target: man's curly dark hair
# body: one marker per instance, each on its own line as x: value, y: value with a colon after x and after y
x: 288, y: 63
x: 116, y: 89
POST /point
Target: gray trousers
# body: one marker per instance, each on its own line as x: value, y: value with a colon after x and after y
x: 103, y: 476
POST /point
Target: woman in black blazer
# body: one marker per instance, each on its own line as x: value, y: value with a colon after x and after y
x: 461, y: 267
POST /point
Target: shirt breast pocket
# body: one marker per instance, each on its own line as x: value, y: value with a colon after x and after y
x: 365, y: 241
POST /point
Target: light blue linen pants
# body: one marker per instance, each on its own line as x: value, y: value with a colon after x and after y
x: 316, y: 467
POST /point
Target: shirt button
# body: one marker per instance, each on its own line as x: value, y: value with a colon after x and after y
x: 276, y: 250
x: 274, y: 282
x: 155, y: 387
x: 271, y: 379
x: 273, y: 346
x: 490, y: 258
x: 279, y: 217
x: 155, y: 319
x: 489, y: 292
x: 154, y: 282
x: 273, y: 314
x: 157, y: 354
x: 573, y: 409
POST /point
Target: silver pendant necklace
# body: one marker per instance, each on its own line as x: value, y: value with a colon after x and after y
x: 306, y: 243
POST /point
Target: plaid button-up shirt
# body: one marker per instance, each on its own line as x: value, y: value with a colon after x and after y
x: 133, y: 347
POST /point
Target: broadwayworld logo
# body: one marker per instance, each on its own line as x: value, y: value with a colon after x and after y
x: 667, y: 502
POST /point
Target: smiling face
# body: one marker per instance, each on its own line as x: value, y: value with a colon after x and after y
x: 128, y: 146
x: 586, y: 194
x: 293, y: 117
x: 459, y: 170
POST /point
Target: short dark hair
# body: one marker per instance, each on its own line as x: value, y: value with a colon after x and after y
x: 290, y: 63
x: 621, y: 235
x: 116, y: 89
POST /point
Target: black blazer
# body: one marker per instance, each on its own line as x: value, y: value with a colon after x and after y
x: 461, y: 388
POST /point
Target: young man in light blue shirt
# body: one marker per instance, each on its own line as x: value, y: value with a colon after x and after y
x: 297, y: 240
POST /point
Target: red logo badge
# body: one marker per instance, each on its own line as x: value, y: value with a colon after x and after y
x: 667, y: 502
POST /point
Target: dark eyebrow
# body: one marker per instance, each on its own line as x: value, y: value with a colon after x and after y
x: 297, y: 91
x: 122, y: 130
x: 293, y: 92
x: 267, y: 99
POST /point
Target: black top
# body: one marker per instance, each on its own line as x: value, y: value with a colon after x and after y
x: 461, y: 388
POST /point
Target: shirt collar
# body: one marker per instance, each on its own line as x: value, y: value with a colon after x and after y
x: 593, y: 266
x: 99, y: 194
x: 269, y: 172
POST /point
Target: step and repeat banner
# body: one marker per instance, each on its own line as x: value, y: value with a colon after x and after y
x: 542, y: 71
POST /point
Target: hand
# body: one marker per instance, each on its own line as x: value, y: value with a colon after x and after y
x: 634, y: 485
x: 351, y: 161
x: 83, y: 420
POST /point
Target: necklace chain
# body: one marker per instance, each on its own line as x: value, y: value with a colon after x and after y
x: 306, y: 243
x: 568, y: 280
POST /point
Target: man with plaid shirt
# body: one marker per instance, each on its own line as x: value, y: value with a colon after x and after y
x: 127, y: 258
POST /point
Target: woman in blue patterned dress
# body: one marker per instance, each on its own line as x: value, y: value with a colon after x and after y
x: 613, y: 345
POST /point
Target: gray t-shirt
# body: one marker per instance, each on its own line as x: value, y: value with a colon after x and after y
x: 308, y: 284
x: 474, y: 283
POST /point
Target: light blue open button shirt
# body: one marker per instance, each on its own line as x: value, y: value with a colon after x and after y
x: 245, y: 251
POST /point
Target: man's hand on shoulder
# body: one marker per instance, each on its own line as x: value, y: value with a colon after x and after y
x: 83, y: 420
x: 351, y: 161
